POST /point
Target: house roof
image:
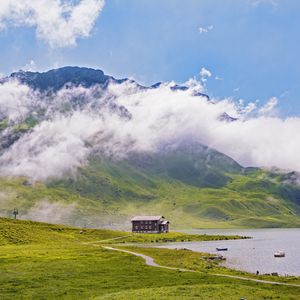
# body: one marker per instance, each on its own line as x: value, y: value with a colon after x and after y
x: 165, y: 222
x: 147, y: 218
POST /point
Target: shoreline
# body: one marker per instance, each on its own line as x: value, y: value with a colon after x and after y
x: 150, y: 261
x: 256, y: 253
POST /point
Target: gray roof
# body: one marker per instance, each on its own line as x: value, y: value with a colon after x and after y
x: 147, y: 218
x: 165, y: 222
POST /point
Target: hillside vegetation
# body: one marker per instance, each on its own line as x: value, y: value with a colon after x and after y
x: 193, y: 188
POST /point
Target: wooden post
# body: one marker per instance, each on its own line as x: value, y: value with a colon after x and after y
x: 15, y: 213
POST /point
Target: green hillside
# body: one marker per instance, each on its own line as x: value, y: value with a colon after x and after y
x: 194, y: 188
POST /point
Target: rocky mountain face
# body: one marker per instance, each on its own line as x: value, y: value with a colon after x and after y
x: 54, y: 80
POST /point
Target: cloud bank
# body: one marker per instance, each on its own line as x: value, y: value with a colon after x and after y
x: 78, y: 122
x: 58, y: 22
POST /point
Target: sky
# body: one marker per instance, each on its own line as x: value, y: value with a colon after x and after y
x: 245, y: 49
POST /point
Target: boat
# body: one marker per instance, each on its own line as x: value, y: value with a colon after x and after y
x: 221, y: 249
x: 279, y: 254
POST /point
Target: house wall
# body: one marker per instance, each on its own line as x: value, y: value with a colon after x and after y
x: 145, y: 226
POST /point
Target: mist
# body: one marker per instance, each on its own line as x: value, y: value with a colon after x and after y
x: 45, y: 211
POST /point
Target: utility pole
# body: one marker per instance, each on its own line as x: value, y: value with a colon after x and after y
x: 15, y: 213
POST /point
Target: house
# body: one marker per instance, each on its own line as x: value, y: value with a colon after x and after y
x: 150, y: 224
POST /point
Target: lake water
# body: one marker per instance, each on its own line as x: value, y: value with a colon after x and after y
x: 254, y: 254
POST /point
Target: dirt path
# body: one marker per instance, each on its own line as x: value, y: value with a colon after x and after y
x: 103, y: 241
x: 150, y: 262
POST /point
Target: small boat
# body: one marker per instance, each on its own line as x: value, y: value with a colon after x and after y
x: 279, y: 254
x: 221, y: 249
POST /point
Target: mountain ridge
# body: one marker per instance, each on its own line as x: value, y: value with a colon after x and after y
x: 56, y: 79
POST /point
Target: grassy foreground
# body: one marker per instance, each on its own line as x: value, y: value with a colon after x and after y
x: 44, y: 261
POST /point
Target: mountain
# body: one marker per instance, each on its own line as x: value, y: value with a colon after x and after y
x: 56, y: 79
x: 113, y: 176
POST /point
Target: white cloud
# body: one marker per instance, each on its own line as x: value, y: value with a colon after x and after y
x: 194, y: 86
x: 218, y: 78
x: 64, y: 141
x: 269, y: 108
x: 58, y: 22
x: 15, y: 100
x: 205, y: 73
x: 62, y: 150
x: 246, y: 109
x: 205, y: 29
x: 259, y: 2
x: 31, y: 66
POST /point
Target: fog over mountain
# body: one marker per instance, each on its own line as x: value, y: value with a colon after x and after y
x: 50, y: 123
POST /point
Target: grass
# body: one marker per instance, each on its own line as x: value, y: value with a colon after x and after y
x: 201, y: 291
x: 44, y: 261
x: 172, y: 237
x: 4, y: 124
x: 28, y: 232
x: 26, y: 125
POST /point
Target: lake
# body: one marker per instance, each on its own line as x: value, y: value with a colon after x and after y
x: 256, y: 253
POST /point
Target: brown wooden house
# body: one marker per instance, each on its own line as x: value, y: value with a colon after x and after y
x: 150, y: 224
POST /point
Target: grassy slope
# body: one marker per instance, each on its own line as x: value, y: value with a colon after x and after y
x: 43, y: 261
x: 108, y: 194
x: 186, y: 190
x: 254, y: 199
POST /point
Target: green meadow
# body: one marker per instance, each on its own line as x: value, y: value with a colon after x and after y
x: 108, y: 194
x: 45, y: 261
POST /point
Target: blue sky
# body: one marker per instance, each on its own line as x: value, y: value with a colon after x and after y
x: 250, y: 46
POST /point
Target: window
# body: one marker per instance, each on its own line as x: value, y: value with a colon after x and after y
x: 150, y: 227
x: 136, y: 227
x: 146, y: 227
